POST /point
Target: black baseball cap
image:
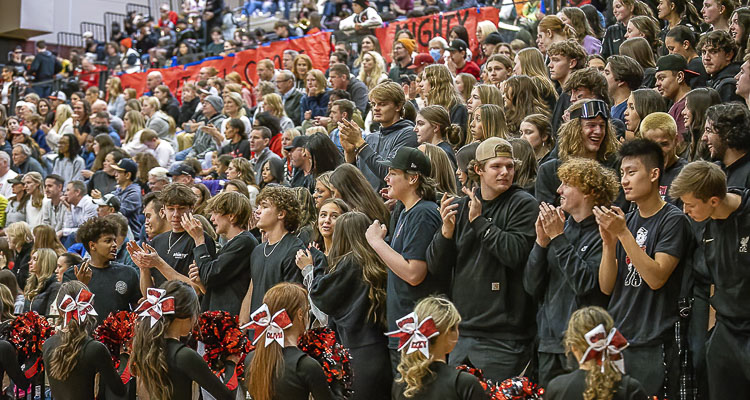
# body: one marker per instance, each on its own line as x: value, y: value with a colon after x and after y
x: 109, y: 200
x: 409, y: 159
x: 673, y: 62
x: 493, y: 38
x: 127, y: 165
x: 298, y: 141
x: 181, y: 169
x: 458, y: 45
x: 18, y: 179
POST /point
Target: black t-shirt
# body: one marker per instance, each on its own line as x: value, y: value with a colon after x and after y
x: 412, y: 234
x: 116, y: 288
x: 571, y: 387
x: 445, y: 383
x: 299, y: 179
x: 738, y: 173
x: 449, y: 151
x: 666, y: 181
x: 239, y: 149
x: 641, y: 313
x: 177, y: 250
x: 185, y: 366
x: 272, y: 264
x: 102, y: 182
x: 94, y: 359
x: 301, y: 377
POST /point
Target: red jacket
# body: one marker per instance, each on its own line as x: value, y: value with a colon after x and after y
x: 470, y: 68
x: 275, y: 145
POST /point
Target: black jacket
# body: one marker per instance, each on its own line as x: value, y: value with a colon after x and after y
x: 44, y: 299
x: 738, y: 173
x: 21, y: 264
x: 172, y: 108
x: 613, y: 38
x: 187, y: 110
x: 486, y: 259
x: 564, y: 277
x: 292, y: 106
x: 725, y: 84
x: 358, y: 90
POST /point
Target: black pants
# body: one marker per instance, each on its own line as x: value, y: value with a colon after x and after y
x: 552, y: 365
x: 728, y: 362
x: 656, y: 367
x: 499, y: 359
x: 371, y: 377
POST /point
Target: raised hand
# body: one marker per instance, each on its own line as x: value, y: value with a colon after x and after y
x: 83, y: 272
x: 448, y: 211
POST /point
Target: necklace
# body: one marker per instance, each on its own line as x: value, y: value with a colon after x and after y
x: 169, y: 242
x: 274, y: 247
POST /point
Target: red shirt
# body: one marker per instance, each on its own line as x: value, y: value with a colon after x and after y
x: 275, y: 145
x: 91, y: 77
x: 470, y: 68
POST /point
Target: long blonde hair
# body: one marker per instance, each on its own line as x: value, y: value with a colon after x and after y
x: 469, y: 81
x: 267, y: 365
x: 116, y: 88
x: 46, y: 262
x: 349, y: 244
x: 442, y: 171
x: 414, y: 367
x: 599, y: 385
x: 137, y: 123
x: 532, y: 64
x: 38, y: 196
x: 273, y: 104
x: 442, y: 91
x: 64, y: 358
x: 373, y: 78
x: 493, y: 123
x: 62, y: 114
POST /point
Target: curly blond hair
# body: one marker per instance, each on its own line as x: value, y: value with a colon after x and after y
x: 591, y: 178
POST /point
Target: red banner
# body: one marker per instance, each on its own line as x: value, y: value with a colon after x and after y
x: 426, y: 28
x: 317, y: 46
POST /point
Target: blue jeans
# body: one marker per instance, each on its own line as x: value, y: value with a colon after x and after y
x: 182, y: 155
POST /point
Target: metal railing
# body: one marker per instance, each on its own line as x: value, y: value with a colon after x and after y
x: 174, y: 5
x: 109, y: 18
x: 99, y: 30
x: 69, y: 39
x: 138, y: 8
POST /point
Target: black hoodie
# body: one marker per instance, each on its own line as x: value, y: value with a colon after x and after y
x: 382, y: 146
x: 486, y: 259
x: 725, y: 84
x: 726, y: 246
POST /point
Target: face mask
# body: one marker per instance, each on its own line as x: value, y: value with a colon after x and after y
x: 435, y: 54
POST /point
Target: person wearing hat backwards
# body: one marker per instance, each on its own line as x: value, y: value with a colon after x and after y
x: 402, y: 59
x: 302, y: 163
x: 128, y: 193
x: 420, y: 62
x: 484, y: 243
x: 672, y: 76
x: 414, y: 221
x: 108, y: 204
x: 363, y: 20
x: 457, y: 62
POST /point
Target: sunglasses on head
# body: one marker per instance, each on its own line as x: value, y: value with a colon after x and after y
x: 591, y: 109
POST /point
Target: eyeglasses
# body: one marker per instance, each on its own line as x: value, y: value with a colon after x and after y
x: 591, y: 110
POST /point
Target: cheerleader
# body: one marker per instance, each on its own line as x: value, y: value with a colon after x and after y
x: 165, y: 367
x: 593, y: 340
x: 426, y: 337
x: 72, y: 357
x: 352, y: 291
x: 278, y: 369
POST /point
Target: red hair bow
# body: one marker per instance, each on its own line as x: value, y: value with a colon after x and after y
x: 155, y: 305
x: 78, y: 308
x: 414, y: 334
x: 273, y: 327
x: 603, y: 346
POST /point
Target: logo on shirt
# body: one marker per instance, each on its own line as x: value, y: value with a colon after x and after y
x: 743, y: 244
x: 179, y: 256
x: 121, y: 287
x: 634, y: 278
x: 584, y: 248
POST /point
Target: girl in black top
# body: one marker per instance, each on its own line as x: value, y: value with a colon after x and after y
x: 42, y: 286
x: 72, y: 357
x: 165, y: 366
x: 430, y: 377
x: 596, y: 378
x: 9, y: 364
x: 353, y: 292
x: 277, y: 372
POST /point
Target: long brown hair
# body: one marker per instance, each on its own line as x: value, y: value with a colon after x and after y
x: 64, y: 358
x: 46, y: 238
x: 442, y: 90
x: 106, y: 144
x: 354, y: 189
x: 350, y: 244
x: 148, y: 360
x: 46, y: 262
x: 437, y: 115
x: 599, y: 385
x: 268, y: 362
x: 524, y: 100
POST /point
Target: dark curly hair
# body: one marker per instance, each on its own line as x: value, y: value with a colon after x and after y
x: 284, y: 199
x: 732, y: 123
x: 94, y: 228
x: 719, y: 40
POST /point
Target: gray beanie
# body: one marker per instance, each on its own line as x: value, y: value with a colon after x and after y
x: 216, y: 102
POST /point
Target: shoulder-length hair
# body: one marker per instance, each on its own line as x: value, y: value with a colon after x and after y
x: 638, y: 49
x: 307, y: 60
x: 577, y: 20
x: 320, y: 80
x: 571, y: 139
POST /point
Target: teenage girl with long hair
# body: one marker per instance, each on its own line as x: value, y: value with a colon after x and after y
x: 488, y: 121
x: 352, y: 291
x: 278, y: 369
x: 434, y: 126
x: 522, y: 98
x: 350, y: 185
x: 428, y: 376
x: 438, y: 89
x: 72, y: 358
x: 598, y: 376
x: 166, y: 367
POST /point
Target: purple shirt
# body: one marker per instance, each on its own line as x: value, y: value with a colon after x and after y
x: 676, y: 113
x: 406, y: 5
x: 592, y: 45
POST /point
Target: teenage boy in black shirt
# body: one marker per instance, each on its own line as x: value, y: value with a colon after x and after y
x: 702, y: 187
x: 413, y: 223
x: 484, y: 243
x: 728, y: 137
x: 225, y: 277
x: 170, y: 254
x: 643, y: 254
x: 273, y: 261
x: 115, y: 285
x: 563, y: 267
